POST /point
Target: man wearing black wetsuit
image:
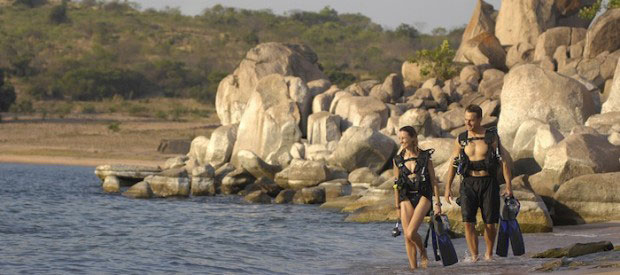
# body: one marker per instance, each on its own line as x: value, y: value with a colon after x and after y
x: 478, y: 154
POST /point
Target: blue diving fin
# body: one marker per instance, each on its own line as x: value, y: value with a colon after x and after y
x: 446, y: 249
x: 509, y: 230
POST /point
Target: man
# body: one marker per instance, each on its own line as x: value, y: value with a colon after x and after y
x: 479, y: 154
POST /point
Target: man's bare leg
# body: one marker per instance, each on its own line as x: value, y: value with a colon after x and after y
x: 472, y: 240
x: 489, y: 239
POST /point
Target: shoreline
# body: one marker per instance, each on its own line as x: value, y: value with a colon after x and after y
x: 74, y: 161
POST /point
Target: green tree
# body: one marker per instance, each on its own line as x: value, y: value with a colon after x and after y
x: 437, y: 62
x: 7, y: 94
x: 590, y: 12
x: 58, y: 14
x: 407, y: 31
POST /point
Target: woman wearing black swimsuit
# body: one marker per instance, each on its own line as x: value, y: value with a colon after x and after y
x: 415, y: 185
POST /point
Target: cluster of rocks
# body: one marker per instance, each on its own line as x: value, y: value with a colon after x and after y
x: 289, y: 135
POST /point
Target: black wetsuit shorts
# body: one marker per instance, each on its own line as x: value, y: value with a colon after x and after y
x: 483, y: 193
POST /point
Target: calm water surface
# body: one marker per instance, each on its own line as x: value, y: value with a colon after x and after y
x: 57, y: 220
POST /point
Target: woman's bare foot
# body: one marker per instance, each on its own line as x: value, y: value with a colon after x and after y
x: 488, y: 257
x: 472, y: 259
x: 424, y: 260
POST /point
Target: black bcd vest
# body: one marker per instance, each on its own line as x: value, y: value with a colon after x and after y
x: 422, y: 177
x: 492, y: 158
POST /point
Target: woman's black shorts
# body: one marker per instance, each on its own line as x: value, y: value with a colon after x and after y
x: 483, y: 193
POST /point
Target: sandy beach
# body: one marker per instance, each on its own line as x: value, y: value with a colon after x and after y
x: 89, y: 140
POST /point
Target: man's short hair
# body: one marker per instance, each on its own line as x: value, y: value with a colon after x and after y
x: 473, y: 108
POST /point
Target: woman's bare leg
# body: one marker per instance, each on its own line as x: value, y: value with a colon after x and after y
x: 411, y: 232
x: 406, y: 211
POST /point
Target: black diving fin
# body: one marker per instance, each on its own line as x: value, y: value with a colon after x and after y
x: 509, y: 230
x: 440, y: 230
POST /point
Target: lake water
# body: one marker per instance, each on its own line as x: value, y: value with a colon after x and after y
x: 57, y: 220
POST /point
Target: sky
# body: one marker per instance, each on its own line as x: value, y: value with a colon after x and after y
x: 425, y: 15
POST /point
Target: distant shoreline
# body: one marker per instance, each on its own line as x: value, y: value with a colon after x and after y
x: 73, y: 161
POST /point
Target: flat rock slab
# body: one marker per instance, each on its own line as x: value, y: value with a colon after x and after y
x: 576, y: 250
x: 124, y: 171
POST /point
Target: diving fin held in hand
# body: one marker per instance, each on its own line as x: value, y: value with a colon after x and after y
x: 440, y: 228
x: 509, y: 230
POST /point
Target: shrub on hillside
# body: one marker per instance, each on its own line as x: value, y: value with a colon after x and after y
x: 7, y: 94
x: 58, y: 14
x: 97, y: 84
x: 30, y: 3
x: 590, y: 12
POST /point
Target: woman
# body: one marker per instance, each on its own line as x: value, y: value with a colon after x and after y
x: 414, y: 186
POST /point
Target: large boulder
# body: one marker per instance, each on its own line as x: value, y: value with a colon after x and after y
x: 257, y: 196
x: 322, y: 102
x: 531, y: 92
x: 524, y: 21
x: 203, y: 181
x: 362, y: 88
x: 323, y: 127
x: 481, y: 21
x: 140, y: 190
x: 575, y: 155
x: 363, y: 147
x: 302, y: 173
x: 364, y: 111
x: 484, y: 48
x: 491, y: 88
x: 443, y: 148
x: 363, y: 177
x: 452, y: 119
x: 545, y: 137
x: 523, y: 145
x: 111, y: 184
x: 419, y: 119
x: 604, y: 34
x: 612, y: 104
x: 236, y: 181
x: 604, y: 123
x: 336, y: 188
x: 221, y: 145
x: 271, y: 121
x: 133, y: 173
x: 390, y: 90
x: 198, y: 149
x: 256, y: 166
x: 170, y: 183
x: 552, y: 38
x: 285, y: 196
x: 175, y: 162
x: 310, y: 195
x: 236, y: 89
x: 589, y: 198
x: 520, y: 53
x: 412, y: 74
x: 319, y: 86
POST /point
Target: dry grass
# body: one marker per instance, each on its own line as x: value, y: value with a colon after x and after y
x: 92, y: 136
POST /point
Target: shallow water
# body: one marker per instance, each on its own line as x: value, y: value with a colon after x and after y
x: 56, y: 219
